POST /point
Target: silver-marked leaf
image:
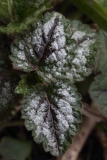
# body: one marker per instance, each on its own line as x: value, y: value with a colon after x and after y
x: 87, y: 48
x: 53, y: 114
x: 98, y: 92
x: 54, y: 49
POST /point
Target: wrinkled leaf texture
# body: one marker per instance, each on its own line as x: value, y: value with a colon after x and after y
x: 56, y: 48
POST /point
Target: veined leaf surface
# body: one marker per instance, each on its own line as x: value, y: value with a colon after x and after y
x: 56, y: 48
x: 52, y: 113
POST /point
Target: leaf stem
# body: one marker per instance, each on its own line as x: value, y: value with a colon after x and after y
x: 10, y: 7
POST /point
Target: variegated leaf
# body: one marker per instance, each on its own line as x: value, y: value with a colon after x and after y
x: 52, y: 113
x: 56, y: 48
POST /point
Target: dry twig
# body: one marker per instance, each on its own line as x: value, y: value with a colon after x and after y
x: 79, y: 140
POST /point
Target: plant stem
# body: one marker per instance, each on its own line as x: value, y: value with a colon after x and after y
x: 10, y: 7
x: 92, y: 10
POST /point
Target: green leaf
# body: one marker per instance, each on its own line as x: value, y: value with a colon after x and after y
x: 6, y: 7
x: 14, y: 149
x: 56, y: 48
x: 92, y: 9
x: 98, y: 92
x: 22, y: 14
x: 26, y: 82
x: 101, y: 59
x: 26, y: 8
x: 86, y: 51
x: 52, y: 113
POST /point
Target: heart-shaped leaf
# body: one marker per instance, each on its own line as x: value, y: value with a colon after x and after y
x: 56, y: 48
x: 52, y: 113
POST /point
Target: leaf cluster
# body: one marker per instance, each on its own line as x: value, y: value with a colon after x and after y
x: 47, y: 56
x: 54, y: 53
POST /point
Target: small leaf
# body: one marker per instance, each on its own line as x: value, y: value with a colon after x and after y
x: 26, y: 82
x: 53, y: 114
x: 87, y: 49
x: 101, y: 60
x: 14, y: 149
x: 56, y: 48
x: 6, y: 7
x: 98, y: 92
